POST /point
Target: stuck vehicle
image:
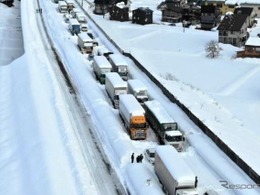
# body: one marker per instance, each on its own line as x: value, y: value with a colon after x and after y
x: 85, y: 43
x: 74, y: 26
x: 149, y: 155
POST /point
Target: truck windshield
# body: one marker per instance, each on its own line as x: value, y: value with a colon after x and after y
x: 140, y: 125
x: 173, y: 138
x: 170, y: 126
x: 142, y: 93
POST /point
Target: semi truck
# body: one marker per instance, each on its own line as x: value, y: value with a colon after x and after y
x: 175, y: 175
x: 133, y: 116
x: 101, y: 66
x: 74, y: 26
x: 119, y: 65
x: 115, y: 86
x: 85, y: 43
x: 138, y: 89
x: 163, y: 125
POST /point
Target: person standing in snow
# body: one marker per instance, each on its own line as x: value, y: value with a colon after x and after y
x: 141, y: 157
x: 132, y: 158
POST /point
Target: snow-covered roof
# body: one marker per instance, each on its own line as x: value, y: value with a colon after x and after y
x: 253, y: 41
x: 131, y: 104
x: 159, y: 112
x: 118, y: 59
x: 102, y: 62
x: 116, y: 80
x: 85, y: 37
x: 176, y: 165
x: 173, y: 133
x: 74, y: 21
x: 233, y: 2
x: 136, y: 85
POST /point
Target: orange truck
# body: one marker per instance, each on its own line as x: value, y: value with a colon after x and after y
x: 133, y: 116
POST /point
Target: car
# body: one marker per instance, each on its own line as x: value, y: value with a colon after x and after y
x: 149, y: 155
x: 84, y: 27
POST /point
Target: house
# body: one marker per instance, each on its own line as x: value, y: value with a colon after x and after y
x: 142, y: 15
x: 255, y: 4
x: 119, y: 12
x: 220, y: 4
x: 252, y: 48
x: 249, y: 11
x: 210, y: 17
x: 171, y: 11
x: 101, y: 6
x: 233, y: 29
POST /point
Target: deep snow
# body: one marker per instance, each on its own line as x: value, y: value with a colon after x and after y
x: 34, y: 154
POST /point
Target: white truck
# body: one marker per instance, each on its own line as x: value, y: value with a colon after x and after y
x: 101, y: 66
x: 138, y: 89
x: 74, y: 26
x: 175, y: 175
x: 81, y: 17
x: 115, y: 86
x: 62, y: 6
x: 119, y: 65
x: 133, y: 116
x: 163, y: 125
x: 85, y: 43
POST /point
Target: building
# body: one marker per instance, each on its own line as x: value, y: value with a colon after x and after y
x: 233, y: 29
x: 255, y: 4
x: 210, y: 17
x: 252, y: 48
x: 220, y: 4
x: 142, y: 15
x: 119, y: 12
x: 101, y: 6
x: 249, y: 11
x: 171, y: 11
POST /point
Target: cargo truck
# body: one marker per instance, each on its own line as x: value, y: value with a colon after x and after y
x: 175, y: 175
x: 70, y: 4
x: 101, y: 66
x: 81, y: 17
x: 115, y: 86
x: 163, y: 125
x: 119, y: 65
x: 133, y: 116
x: 74, y: 26
x: 138, y: 89
x: 85, y: 43
x: 62, y: 6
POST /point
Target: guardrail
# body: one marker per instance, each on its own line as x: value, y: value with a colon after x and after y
x: 225, y: 148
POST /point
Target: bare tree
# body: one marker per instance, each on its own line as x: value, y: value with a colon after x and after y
x: 213, y: 49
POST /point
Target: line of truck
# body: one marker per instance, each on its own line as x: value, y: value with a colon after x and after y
x: 130, y: 97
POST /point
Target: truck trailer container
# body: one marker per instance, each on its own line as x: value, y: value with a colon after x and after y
x: 163, y: 125
x: 133, y: 116
x: 74, y: 26
x: 119, y: 65
x: 115, y: 86
x: 81, y: 17
x: 101, y: 66
x: 85, y: 43
x: 138, y: 89
x: 70, y: 4
x: 62, y: 6
x: 175, y: 175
